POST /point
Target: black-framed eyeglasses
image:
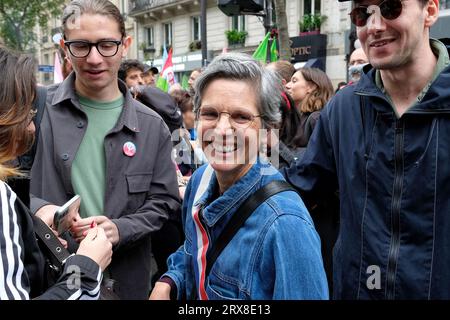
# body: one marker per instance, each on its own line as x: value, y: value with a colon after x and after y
x: 81, y: 48
x: 238, y: 118
x: 389, y: 9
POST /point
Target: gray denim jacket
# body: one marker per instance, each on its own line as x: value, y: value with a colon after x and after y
x: 141, y: 191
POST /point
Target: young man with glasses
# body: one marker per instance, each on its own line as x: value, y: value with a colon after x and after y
x: 99, y: 142
x: 384, y: 143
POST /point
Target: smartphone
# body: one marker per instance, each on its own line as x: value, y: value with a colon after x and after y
x: 66, y: 214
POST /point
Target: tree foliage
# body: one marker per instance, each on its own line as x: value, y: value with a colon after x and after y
x: 18, y: 18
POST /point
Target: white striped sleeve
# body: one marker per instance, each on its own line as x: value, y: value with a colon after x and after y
x: 92, y: 294
x: 11, y: 264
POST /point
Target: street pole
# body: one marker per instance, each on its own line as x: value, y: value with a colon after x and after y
x: 203, y: 31
x: 268, y: 25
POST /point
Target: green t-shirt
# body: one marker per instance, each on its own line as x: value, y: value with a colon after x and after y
x: 89, y: 165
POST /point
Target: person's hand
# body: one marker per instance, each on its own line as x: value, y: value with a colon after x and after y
x: 46, y: 214
x: 97, y: 247
x: 81, y: 227
x: 161, y: 291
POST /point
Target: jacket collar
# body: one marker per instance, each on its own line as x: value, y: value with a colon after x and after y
x: 227, y: 203
x: 128, y: 117
x: 436, y: 99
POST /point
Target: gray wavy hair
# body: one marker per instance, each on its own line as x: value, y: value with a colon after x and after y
x: 242, y: 67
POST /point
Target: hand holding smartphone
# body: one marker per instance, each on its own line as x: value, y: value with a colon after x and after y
x: 66, y: 215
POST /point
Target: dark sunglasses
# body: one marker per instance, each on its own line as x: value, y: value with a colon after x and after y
x: 389, y: 9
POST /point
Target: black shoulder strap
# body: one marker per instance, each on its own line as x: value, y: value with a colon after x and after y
x: 308, y: 129
x: 55, y: 251
x: 286, y: 153
x: 241, y: 215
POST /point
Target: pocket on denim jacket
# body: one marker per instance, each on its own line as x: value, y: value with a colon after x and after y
x: 218, y: 289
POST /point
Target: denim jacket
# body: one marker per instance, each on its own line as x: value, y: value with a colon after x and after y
x: 274, y: 255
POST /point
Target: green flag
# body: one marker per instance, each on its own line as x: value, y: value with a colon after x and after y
x: 162, y: 84
x: 184, y: 82
x: 260, y: 53
x: 273, y: 51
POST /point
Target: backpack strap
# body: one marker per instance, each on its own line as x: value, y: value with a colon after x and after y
x: 241, y: 215
x: 308, y: 129
x: 286, y: 153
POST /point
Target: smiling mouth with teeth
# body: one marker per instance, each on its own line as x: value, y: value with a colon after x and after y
x: 381, y: 43
x: 225, y: 149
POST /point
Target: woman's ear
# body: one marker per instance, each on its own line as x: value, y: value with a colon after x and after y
x: 310, y: 87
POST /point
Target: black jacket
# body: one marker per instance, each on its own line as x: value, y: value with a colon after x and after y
x: 393, y: 179
x: 23, y: 271
x: 163, y: 104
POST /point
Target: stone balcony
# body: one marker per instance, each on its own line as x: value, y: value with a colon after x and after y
x: 157, y: 7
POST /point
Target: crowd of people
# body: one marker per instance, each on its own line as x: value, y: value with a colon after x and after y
x: 256, y: 182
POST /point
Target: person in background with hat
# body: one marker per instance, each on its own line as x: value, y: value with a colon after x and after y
x: 149, y: 75
x: 383, y: 142
x: 99, y: 142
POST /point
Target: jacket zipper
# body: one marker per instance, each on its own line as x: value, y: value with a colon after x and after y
x: 396, y: 207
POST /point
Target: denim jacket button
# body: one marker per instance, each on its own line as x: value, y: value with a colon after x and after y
x: 80, y: 124
x: 65, y: 156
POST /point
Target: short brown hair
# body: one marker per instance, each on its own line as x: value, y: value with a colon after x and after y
x: 184, y: 100
x: 283, y: 68
x: 101, y: 7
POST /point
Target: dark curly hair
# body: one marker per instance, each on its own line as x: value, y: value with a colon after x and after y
x: 128, y: 65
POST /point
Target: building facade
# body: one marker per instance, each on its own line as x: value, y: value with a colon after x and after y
x: 176, y: 24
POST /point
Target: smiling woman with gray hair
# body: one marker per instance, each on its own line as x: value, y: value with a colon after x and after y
x: 273, y: 250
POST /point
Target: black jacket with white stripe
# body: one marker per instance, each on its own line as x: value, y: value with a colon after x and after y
x: 22, y: 264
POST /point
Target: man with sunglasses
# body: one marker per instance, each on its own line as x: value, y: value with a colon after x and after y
x: 384, y: 143
x: 99, y: 142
